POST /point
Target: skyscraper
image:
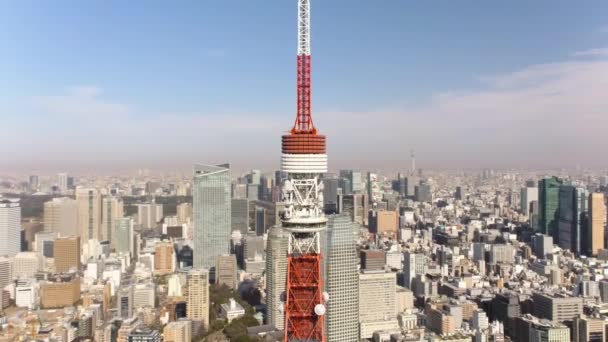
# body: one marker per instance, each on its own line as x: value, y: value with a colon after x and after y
x: 212, y: 217
x: 377, y: 302
x: 34, y: 183
x: 528, y: 195
x: 597, y: 222
x: 276, y: 275
x: 89, y: 213
x: 197, y: 281
x: 572, y: 223
x: 61, y: 216
x: 342, y: 280
x: 123, y: 235
x: 239, y: 213
x: 225, y: 271
x: 112, y: 209
x: 149, y: 214
x: 413, y: 264
x: 62, y: 181
x: 10, y: 227
x: 373, y: 188
x: 125, y: 301
x: 548, y: 205
x: 67, y: 254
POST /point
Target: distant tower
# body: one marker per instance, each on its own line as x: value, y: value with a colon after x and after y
x: 304, y: 159
x: 342, y: 282
x: 412, y: 162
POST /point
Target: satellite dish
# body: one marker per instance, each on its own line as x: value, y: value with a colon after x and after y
x: 281, y: 308
x: 320, y: 309
x: 325, y: 296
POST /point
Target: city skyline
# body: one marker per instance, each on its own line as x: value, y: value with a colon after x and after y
x: 460, y: 92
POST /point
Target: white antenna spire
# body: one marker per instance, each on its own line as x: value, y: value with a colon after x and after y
x: 303, y: 27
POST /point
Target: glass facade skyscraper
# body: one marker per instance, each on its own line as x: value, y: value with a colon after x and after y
x: 123, y: 235
x: 548, y: 205
x: 572, y: 225
x: 212, y: 215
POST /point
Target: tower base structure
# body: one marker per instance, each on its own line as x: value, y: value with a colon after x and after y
x: 303, y: 321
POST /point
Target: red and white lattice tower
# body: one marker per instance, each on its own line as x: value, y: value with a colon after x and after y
x: 303, y: 159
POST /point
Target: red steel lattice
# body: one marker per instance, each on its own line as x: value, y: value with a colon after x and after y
x: 304, y: 292
x: 303, y: 124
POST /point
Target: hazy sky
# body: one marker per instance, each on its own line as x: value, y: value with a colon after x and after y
x: 165, y: 84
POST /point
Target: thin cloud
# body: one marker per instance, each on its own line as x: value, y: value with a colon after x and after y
x: 592, y: 52
x: 80, y: 101
x: 529, y: 117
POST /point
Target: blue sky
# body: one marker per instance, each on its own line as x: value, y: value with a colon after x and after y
x: 75, y: 70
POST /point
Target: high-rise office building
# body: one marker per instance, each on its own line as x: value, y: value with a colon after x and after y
x: 124, y: 301
x: 260, y: 221
x: 144, y: 295
x: 5, y: 271
x: 413, y: 264
x: 62, y: 181
x: 197, y: 281
x: 588, y: 329
x: 411, y: 182
x: 67, y: 254
x: 384, y: 222
x: 597, y: 223
x: 164, y: 257
x: 528, y: 195
x: 356, y: 206
x: 184, y: 213
x: 10, y: 227
x: 377, y: 302
x: 178, y: 331
x: 373, y: 187
x: 225, y: 271
x: 423, y: 192
x: 60, y: 293
x: 149, y: 214
x: 276, y: 275
x: 34, y: 183
x: 501, y: 253
x: 123, y: 240
x: 572, y: 222
x: 239, y: 215
x: 330, y: 195
x: 542, y: 245
x: 212, y: 217
x: 557, y: 308
x: 61, y: 216
x: 89, y: 213
x: 341, y: 280
x: 353, y: 181
x: 26, y: 264
x: 548, y: 205
x: 372, y: 259
x: 111, y: 209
